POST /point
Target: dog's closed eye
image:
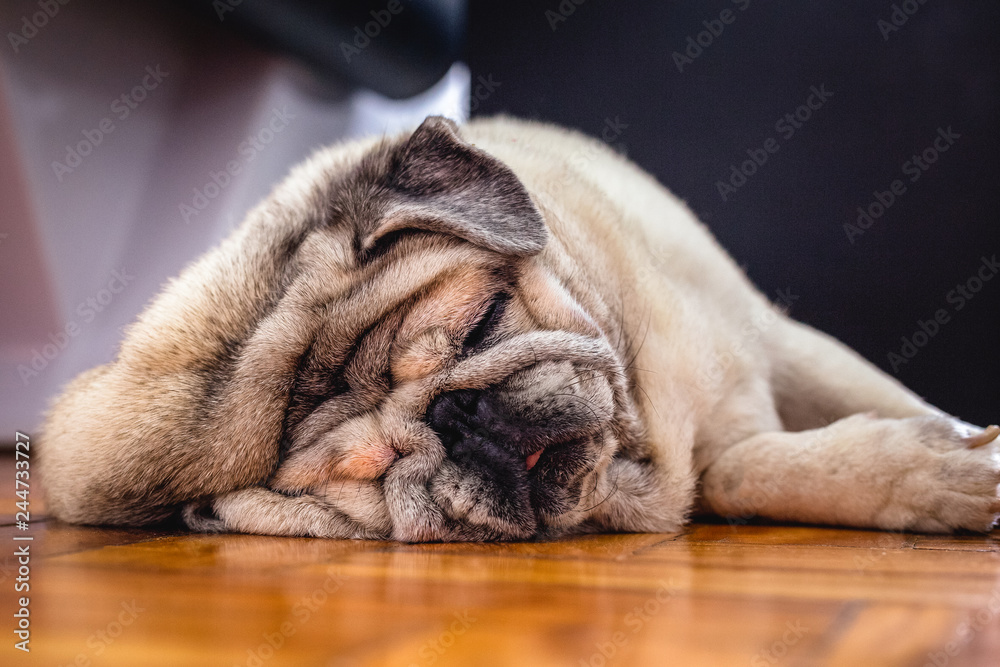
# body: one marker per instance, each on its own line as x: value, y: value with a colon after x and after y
x: 487, y: 325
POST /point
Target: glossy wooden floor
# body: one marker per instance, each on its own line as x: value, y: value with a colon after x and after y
x: 713, y: 595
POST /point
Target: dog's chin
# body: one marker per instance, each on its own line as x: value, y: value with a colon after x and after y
x: 508, y: 501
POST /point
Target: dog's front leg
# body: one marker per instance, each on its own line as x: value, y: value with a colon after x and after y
x: 922, y: 473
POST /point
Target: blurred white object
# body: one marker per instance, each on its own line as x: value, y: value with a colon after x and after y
x: 127, y: 149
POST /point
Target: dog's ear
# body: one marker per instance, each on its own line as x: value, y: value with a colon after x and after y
x: 440, y: 183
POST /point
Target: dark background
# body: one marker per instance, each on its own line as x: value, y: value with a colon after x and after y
x: 786, y: 224
x: 590, y: 64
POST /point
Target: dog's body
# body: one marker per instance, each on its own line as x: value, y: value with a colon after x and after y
x: 496, y: 332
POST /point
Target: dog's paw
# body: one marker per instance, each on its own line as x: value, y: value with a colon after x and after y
x: 950, y: 480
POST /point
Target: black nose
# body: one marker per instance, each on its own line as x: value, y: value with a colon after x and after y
x: 474, y: 427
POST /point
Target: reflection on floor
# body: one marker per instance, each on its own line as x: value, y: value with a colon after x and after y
x: 715, y: 594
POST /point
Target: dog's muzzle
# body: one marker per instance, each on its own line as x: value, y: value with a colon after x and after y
x: 518, y: 454
x: 477, y: 429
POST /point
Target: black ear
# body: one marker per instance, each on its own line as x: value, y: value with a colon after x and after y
x: 439, y: 183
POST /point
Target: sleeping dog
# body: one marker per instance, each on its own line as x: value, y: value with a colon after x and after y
x: 492, y: 332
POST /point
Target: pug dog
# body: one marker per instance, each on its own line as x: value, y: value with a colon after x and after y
x: 500, y: 331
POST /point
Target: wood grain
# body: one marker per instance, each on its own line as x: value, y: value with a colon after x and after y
x: 757, y: 595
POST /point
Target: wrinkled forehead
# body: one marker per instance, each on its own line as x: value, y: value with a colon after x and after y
x: 423, y: 281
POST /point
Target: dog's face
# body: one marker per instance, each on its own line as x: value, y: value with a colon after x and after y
x: 446, y: 385
x: 453, y: 415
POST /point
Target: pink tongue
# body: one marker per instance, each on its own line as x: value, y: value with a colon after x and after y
x: 532, y: 459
